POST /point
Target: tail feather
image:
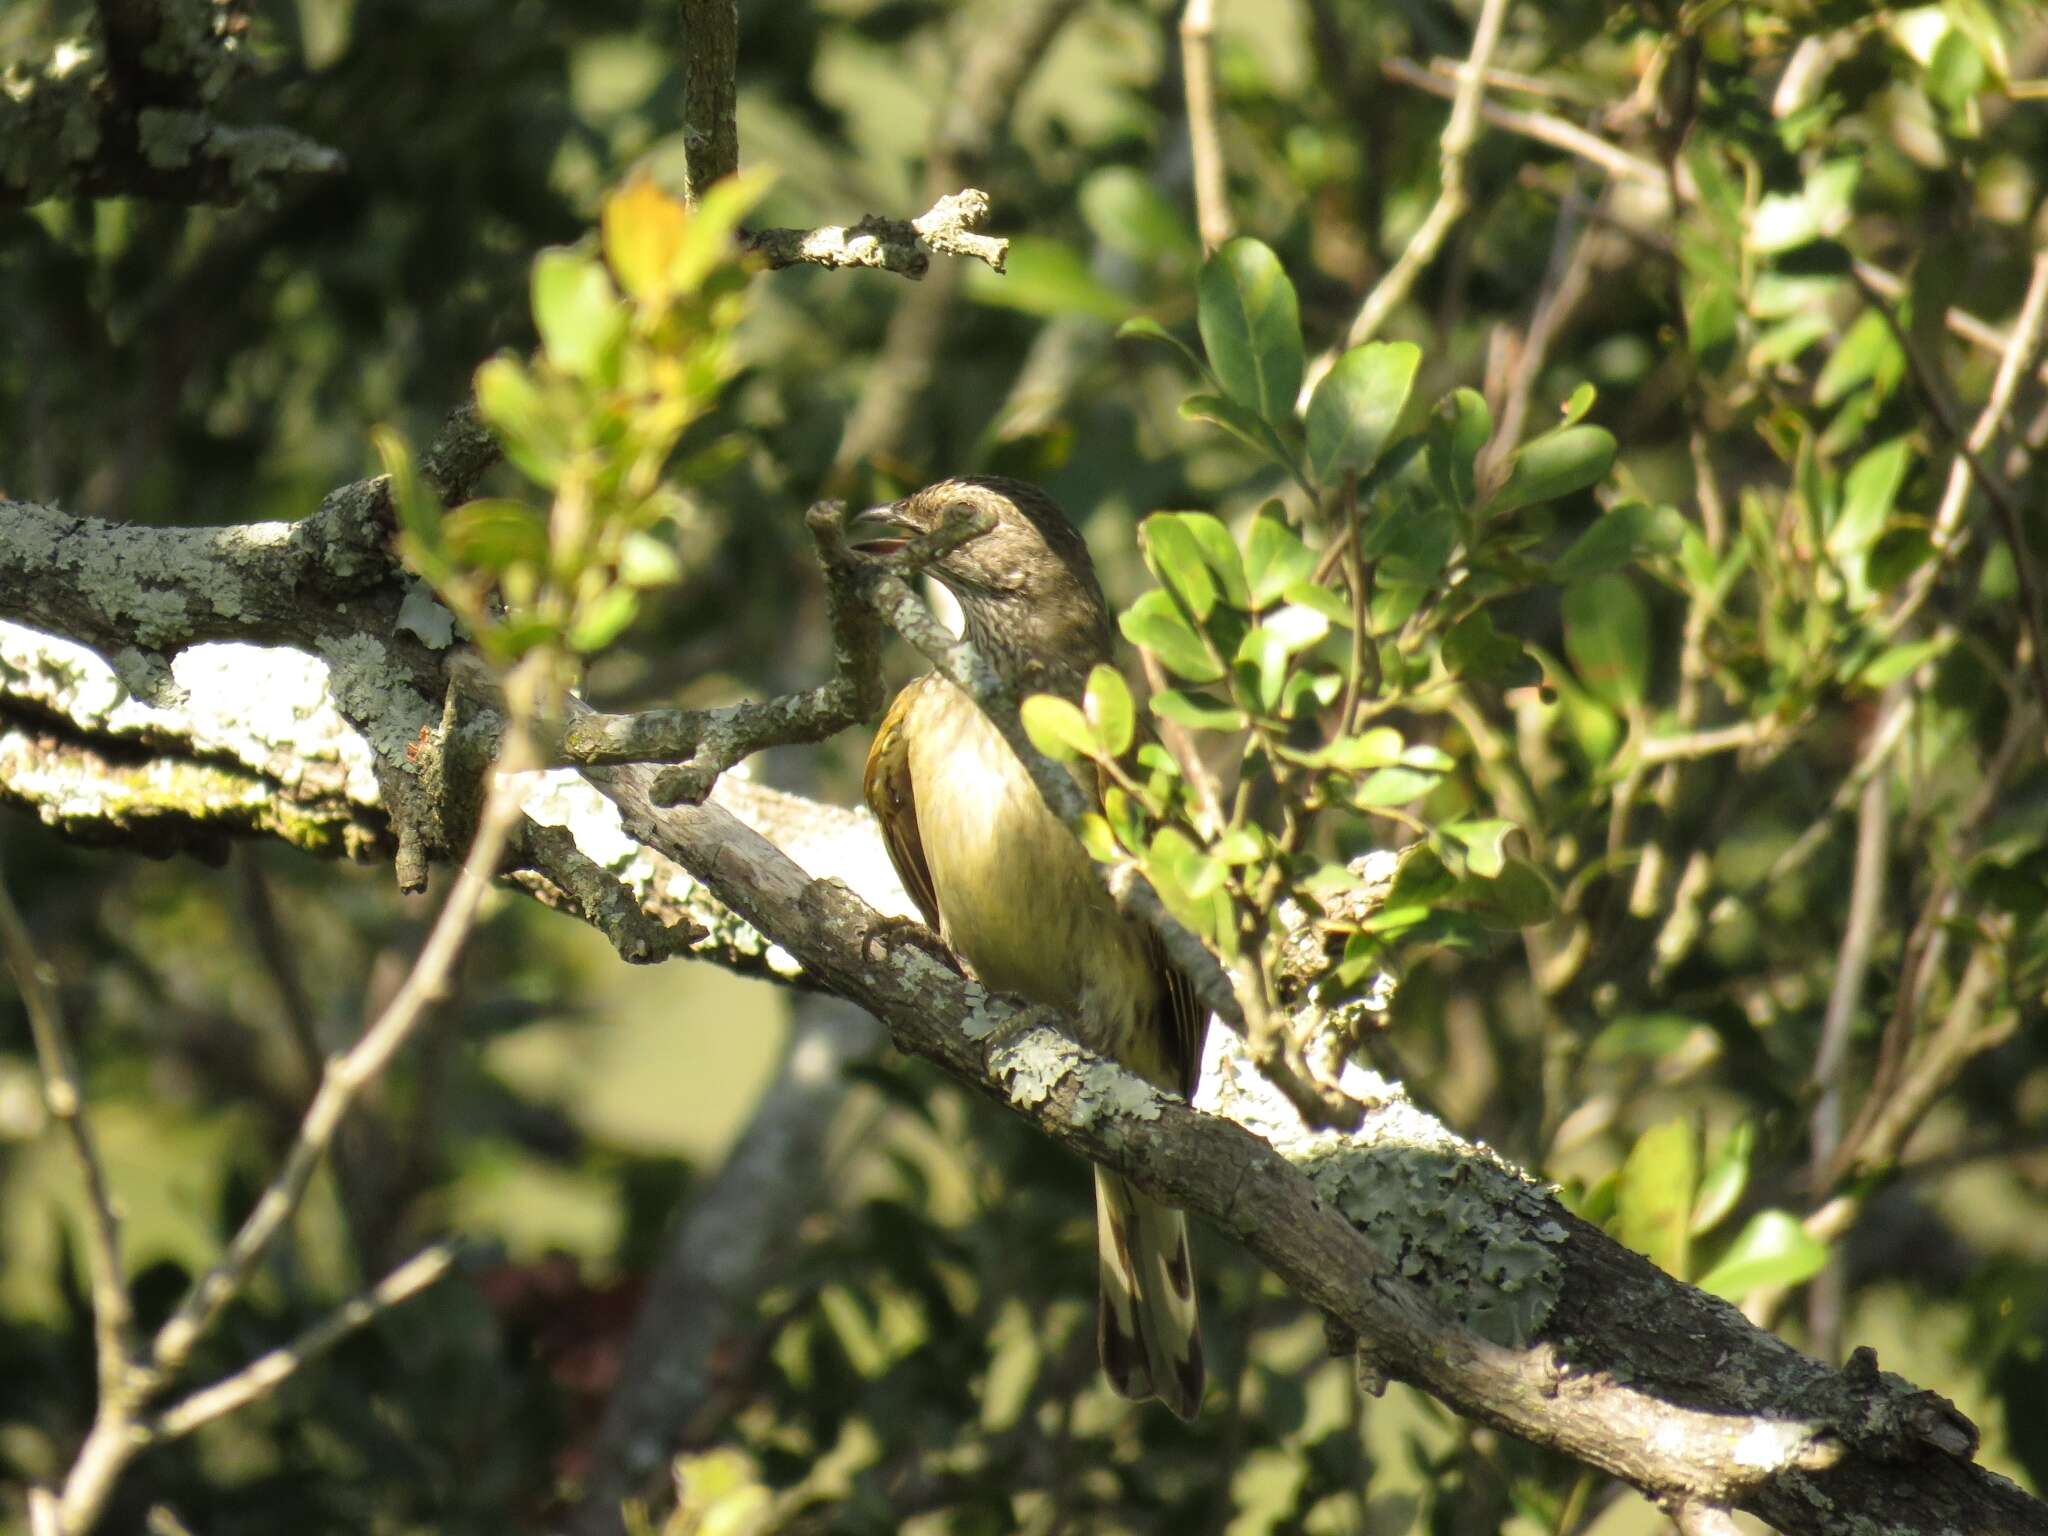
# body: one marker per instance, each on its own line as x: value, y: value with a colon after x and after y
x: 1147, y: 1328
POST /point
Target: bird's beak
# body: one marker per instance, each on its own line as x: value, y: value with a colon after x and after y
x: 879, y: 530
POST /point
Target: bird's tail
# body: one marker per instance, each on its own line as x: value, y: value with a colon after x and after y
x: 1150, y: 1337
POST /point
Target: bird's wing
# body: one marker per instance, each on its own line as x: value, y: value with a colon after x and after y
x: 1181, y: 1022
x: 887, y: 788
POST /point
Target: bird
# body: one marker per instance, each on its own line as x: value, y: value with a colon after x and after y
x: 1014, y: 895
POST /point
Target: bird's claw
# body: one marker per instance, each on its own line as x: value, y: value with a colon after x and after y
x: 891, y: 931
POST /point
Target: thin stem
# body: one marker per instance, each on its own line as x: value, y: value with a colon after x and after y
x: 1205, y: 139
x: 1453, y: 197
x: 113, y: 1310
x: 349, y: 1073
x: 1852, y: 969
x: 266, y: 1372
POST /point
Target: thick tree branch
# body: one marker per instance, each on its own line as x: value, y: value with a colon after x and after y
x: 1456, y: 1274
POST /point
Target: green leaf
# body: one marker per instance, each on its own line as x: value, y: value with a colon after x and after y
x: 645, y: 561
x: 1275, y: 557
x: 1485, y: 844
x: 1155, y: 624
x: 1379, y: 747
x: 1653, y: 1203
x: 1057, y: 728
x: 1357, y: 406
x: 1331, y: 604
x: 1196, y: 713
x: 1128, y: 213
x: 1393, y: 786
x: 1151, y: 330
x: 1179, y: 561
x: 1773, y: 1249
x: 535, y: 439
x: 1869, y: 491
x: 1868, y: 353
x: 1240, y: 845
x: 1607, y: 637
x: 1042, y: 276
x: 1475, y: 649
x: 577, y: 312
x: 493, y: 534
x: 1219, y: 552
x: 602, y: 621
x: 1580, y: 402
x: 1109, y: 710
x: 1518, y: 897
x: 1626, y: 533
x: 1244, y: 425
x: 1888, y: 666
x: 1096, y: 836
x: 419, y: 511
x: 1458, y: 430
x: 1726, y: 1177
x: 1553, y: 465
x: 1251, y: 328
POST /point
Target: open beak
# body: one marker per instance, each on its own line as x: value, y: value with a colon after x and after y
x: 879, y: 531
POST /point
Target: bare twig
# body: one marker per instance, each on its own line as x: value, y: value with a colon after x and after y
x: 266, y: 1373
x: 1852, y: 968
x: 891, y: 245
x: 701, y: 744
x: 2013, y: 364
x: 1708, y: 743
x: 2004, y: 504
x: 120, y: 1428
x: 1205, y: 138
x: 113, y: 1311
x: 1453, y: 196
x: 1544, y: 128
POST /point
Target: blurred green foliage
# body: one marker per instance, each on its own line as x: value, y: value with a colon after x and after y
x: 1462, y: 597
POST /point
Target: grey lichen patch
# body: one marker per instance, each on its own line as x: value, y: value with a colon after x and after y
x: 421, y: 614
x: 371, y: 692
x: 1112, y: 1095
x: 1031, y: 1065
x: 1451, y: 1217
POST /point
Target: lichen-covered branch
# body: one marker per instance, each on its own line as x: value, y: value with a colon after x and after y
x: 129, y: 113
x: 711, y: 57
x: 1455, y: 1272
x: 902, y: 246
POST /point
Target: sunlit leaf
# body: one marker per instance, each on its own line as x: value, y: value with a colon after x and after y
x: 577, y: 311
x: 1109, y: 710
x: 1553, y: 465
x: 1275, y: 557
x: 1725, y: 1178
x: 1155, y: 624
x: 1773, y: 1249
x: 1196, y: 714
x: 1251, y: 328
x: 1057, y: 728
x: 1357, y: 406
x: 1653, y: 1203
x: 1607, y: 637
x: 1179, y: 561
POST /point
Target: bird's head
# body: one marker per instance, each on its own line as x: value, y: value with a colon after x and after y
x: 1026, y: 586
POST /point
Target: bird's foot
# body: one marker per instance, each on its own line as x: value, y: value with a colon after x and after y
x: 891, y: 931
